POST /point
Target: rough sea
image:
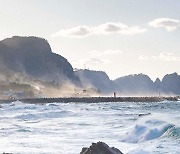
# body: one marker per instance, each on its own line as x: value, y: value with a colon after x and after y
x: 64, y: 128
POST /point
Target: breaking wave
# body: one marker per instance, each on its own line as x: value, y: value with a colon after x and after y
x: 150, y: 129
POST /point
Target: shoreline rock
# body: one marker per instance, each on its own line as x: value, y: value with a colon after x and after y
x: 100, y: 148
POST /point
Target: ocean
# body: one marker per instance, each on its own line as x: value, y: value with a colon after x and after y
x: 64, y: 128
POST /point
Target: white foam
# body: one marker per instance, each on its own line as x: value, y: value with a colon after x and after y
x: 147, y: 129
x: 139, y: 151
x: 141, y: 133
x: 29, y: 128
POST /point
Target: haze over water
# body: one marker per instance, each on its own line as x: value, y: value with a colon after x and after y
x: 134, y: 128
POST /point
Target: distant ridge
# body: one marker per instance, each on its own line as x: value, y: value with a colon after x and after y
x: 131, y: 85
x: 31, y: 58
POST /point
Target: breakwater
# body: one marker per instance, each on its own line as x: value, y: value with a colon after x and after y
x: 94, y: 99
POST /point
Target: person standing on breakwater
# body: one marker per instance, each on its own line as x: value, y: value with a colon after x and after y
x: 114, y: 94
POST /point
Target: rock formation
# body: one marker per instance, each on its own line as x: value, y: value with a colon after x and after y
x: 100, y: 148
x: 131, y: 85
x: 171, y: 84
x: 96, y: 79
x: 137, y: 84
x: 33, y: 57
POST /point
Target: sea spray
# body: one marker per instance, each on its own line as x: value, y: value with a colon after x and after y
x: 150, y: 127
x: 144, y: 132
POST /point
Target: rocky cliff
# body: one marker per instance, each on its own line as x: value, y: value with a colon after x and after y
x: 131, y: 85
x: 137, y: 84
x: 171, y: 84
x: 32, y: 56
x: 96, y: 79
x: 31, y: 59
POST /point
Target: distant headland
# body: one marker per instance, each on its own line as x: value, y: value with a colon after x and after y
x: 29, y: 69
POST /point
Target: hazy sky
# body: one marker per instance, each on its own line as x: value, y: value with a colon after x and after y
x: 120, y: 37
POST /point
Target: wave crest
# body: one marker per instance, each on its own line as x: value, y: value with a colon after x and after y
x: 149, y: 130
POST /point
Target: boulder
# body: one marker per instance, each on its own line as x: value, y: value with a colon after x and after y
x: 100, y: 148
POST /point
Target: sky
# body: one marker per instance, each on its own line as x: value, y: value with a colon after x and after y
x: 120, y: 37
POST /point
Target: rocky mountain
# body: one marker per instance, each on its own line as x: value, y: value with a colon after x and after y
x: 131, y: 85
x: 137, y: 84
x: 31, y: 59
x: 32, y: 56
x: 96, y: 79
x: 171, y: 84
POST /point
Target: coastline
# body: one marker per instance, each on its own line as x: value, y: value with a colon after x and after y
x: 93, y: 99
